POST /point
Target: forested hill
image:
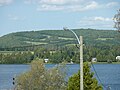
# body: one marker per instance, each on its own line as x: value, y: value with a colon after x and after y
x: 59, y: 37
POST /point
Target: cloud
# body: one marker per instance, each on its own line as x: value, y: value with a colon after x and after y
x: 91, y: 5
x: 112, y: 4
x: 69, y: 5
x: 53, y: 2
x: 102, y: 19
x: 49, y: 8
x: 5, y: 2
x: 84, y: 7
x: 96, y: 22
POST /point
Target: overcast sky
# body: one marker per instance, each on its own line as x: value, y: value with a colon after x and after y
x: 22, y: 15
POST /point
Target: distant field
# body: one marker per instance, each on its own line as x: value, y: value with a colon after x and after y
x: 10, y: 52
x: 70, y: 44
x: 35, y: 43
x: 7, y: 52
x: 65, y: 38
x: 103, y: 39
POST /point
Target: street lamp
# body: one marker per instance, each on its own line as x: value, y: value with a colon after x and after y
x: 80, y: 42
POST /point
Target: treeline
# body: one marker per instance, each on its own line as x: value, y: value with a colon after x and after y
x: 63, y: 54
x: 16, y: 58
x: 102, y: 53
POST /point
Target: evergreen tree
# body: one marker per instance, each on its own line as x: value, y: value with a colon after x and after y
x: 90, y: 83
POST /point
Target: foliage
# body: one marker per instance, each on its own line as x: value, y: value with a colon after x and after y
x: 20, y: 40
x: 39, y: 78
x: 16, y: 57
x: 90, y: 83
x: 103, y: 54
x: 60, y: 46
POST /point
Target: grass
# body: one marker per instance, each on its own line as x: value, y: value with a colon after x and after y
x: 70, y: 44
x: 65, y: 38
x: 10, y: 52
x: 104, y: 39
x: 35, y: 43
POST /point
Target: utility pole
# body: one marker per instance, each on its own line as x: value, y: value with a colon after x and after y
x: 81, y: 63
x: 80, y: 42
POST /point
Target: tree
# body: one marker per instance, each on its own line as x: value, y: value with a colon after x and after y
x: 90, y: 83
x: 39, y: 78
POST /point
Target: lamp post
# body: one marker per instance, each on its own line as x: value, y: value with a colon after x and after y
x: 80, y: 42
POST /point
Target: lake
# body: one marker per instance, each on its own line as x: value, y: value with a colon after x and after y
x: 109, y: 74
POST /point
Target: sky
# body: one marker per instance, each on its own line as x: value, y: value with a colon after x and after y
x: 27, y: 15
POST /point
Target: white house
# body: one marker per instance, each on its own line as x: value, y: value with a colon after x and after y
x: 46, y: 60
x: 118, y: 58
x: 71, y: 61
x: 94, y: 59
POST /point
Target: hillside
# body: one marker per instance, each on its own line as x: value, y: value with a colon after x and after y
x: 59, y: 37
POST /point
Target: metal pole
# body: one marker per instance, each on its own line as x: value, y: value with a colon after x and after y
x: 81, y: 63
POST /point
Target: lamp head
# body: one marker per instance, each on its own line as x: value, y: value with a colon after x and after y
x: 65, y: 28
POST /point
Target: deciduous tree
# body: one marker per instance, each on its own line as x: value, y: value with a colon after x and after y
x: 40, y: 78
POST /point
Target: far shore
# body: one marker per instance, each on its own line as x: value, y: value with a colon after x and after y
x: 106, y: 63
x: 66, y: 63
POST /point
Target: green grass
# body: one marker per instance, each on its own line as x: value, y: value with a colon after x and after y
x: 65, y: 38
x: 104, y: 39
x: 70, y: 44
x: 10, y: 52
x: 35, y: 43
x: 6, y: 52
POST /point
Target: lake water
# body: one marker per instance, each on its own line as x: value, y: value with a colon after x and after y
x: 109, y: 74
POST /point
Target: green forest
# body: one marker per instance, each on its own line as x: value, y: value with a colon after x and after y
x: 59, y: 46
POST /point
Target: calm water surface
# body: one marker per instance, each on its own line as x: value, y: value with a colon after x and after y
x: 109, y: 74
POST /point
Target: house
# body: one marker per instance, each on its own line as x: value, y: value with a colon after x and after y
x: 46, y: 60
x: 71, y: 61
x: 94, y: 59
x: 118, y: 58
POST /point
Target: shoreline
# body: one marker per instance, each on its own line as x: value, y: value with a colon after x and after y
x: 105, y: 63
x: 58, y: 63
